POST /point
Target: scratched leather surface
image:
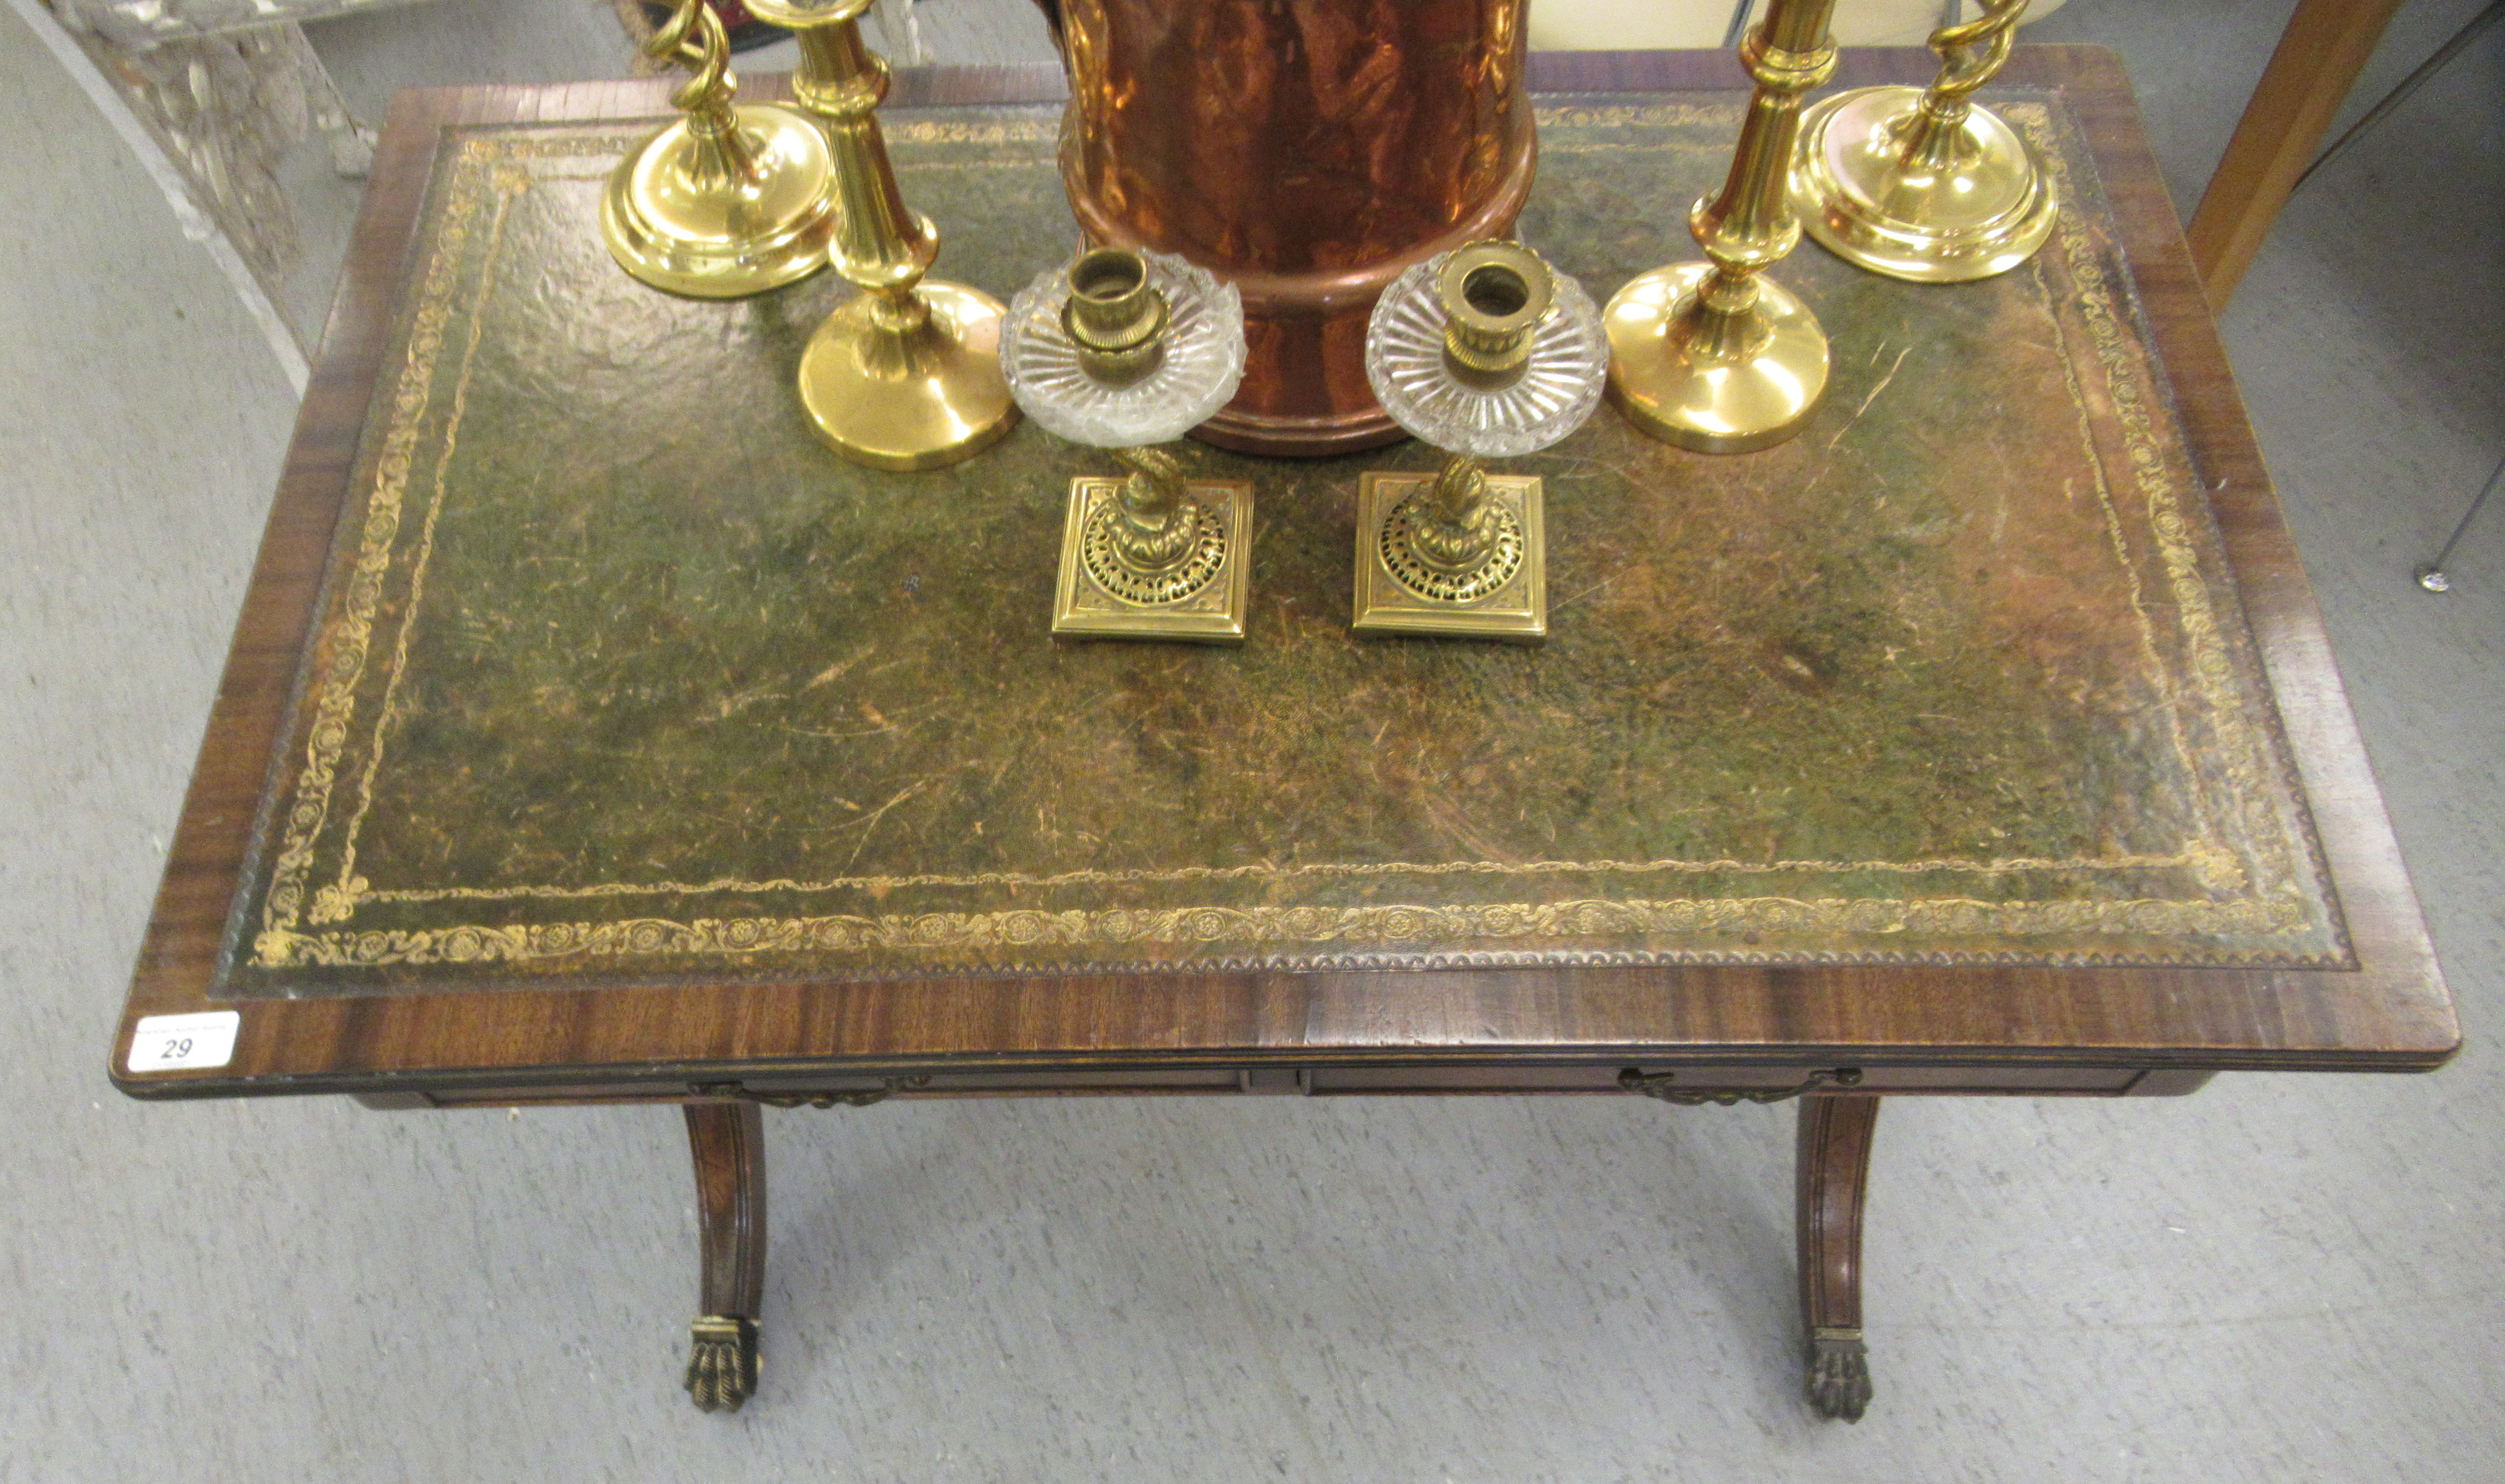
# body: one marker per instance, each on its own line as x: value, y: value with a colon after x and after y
x: 622, y: 677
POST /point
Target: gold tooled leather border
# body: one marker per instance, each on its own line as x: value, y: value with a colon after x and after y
x: 489, y: 170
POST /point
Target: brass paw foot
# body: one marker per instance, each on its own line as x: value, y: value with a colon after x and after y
x: 1838, y: 1373
x: 722, y: 1368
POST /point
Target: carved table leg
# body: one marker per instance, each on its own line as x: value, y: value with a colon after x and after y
x: 729, y: 1144
x: 1833, y: 1171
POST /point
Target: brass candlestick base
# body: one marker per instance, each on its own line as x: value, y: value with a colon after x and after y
x: 1413, y: 576
x: 1154, y: 555
x: 915, y: 395
x: 907, y: 376
x: 1716, y: 383
x: 1921, y: 184
x: 1882, y: 187
x: 727, y: 201
x: 1714, y: 355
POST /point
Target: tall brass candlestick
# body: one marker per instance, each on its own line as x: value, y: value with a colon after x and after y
x: 906, y: 374
x: 1918, y: 183
x: 1714, y: 355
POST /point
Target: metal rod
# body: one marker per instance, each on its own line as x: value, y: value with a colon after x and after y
x: 2471, y: 31
x: 1739, y: 23
x: 2431, y: 576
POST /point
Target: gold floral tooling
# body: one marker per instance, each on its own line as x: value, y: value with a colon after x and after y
x: 622, y: 676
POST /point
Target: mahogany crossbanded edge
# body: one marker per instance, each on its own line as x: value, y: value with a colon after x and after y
x: 2393, y: 1015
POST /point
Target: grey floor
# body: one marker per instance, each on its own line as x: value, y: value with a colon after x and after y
x: 2282, y: 1278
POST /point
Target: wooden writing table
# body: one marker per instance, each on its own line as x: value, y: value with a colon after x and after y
x: 408, y: 1012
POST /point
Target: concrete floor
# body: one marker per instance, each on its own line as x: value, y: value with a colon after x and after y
x: 2282, y: 1278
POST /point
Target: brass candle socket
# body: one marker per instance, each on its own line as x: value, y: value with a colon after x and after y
x: 729, y: 200
x: 1715, y: 356
x: 906, y: 374
x: 1115, y: 316
x: 1921, y: 184
x: 1493, y: 296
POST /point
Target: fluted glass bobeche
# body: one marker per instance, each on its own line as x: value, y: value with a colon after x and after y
x: 1201, y: 363
x: 1553, y: 393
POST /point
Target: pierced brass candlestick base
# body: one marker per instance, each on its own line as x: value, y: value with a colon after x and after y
x: 1457, y: 553
x: 907, y: 376
x: 1154, y: 555
x: 1714, y: 356
x: 727, y: 201
x: 1921, y: 184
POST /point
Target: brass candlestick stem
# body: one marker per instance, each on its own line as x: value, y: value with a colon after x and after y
x: 727, y: 202
x: 1451, y: 527
x: 1714, y: 355
x: 906, y: 375
x: 1143, y: 544
x: 1449, y: 534
x: 1445, y: 540
x: 1154, y: 542
x: 1919, y: 183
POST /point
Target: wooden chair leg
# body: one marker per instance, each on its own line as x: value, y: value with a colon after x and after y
x: 2319, y: 54
x: 728, y: 1140
x: 1833, y: 1171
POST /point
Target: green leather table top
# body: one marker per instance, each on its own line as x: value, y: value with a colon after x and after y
x: 622, y: 676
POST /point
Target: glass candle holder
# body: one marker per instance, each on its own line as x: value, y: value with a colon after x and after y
x: 1484, y: 352
x: 1127, y: 350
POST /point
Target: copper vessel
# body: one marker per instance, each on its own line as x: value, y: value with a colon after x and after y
x: 1306, y: 150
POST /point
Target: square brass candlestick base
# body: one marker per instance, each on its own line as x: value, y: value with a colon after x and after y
x: 1097, y: 597
x: 1508, y: 599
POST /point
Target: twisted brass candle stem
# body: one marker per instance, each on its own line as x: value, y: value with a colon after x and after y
x: 727, y: 200
x: 1924, y: 183
x: 1970, y: 54
x: 1156, y: 522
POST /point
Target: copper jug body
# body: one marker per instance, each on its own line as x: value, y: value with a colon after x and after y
x: 1306, y: 150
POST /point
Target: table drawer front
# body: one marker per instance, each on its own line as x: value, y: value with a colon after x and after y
x: 1769, y: 1082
